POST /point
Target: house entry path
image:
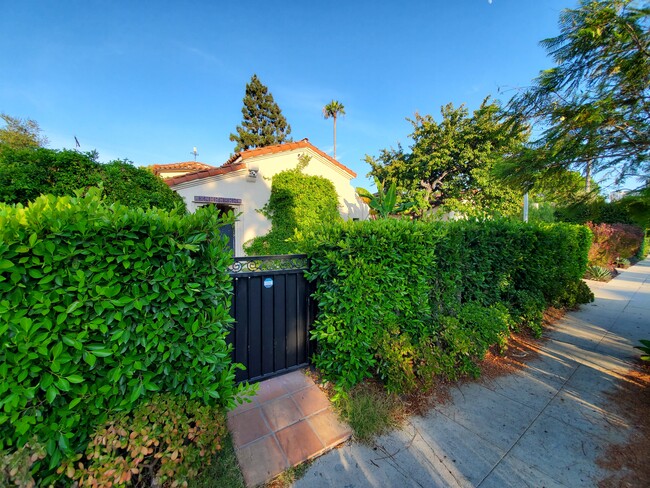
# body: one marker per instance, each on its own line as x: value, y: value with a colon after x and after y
x: 542, y: 426
x: 289, y: 421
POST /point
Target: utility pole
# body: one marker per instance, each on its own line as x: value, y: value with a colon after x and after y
x: 526, y: 207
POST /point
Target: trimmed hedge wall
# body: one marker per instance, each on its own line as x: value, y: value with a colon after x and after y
x: 406, y: 300
x: 99, y: 307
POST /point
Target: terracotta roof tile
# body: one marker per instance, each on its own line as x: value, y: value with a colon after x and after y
x: 185, y: 165
x: 222, y: 170
x: 290, y: 146
x: 235, y: 162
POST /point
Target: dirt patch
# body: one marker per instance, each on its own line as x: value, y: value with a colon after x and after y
x: 629, y: 461
x: 420, y: 401
x: 522, y: 347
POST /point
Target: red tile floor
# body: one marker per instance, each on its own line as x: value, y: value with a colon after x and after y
x: 289, y: 421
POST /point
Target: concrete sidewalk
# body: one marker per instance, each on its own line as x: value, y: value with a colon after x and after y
x: 543, y: 426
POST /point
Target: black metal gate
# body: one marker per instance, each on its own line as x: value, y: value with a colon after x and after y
x: 272, y: 311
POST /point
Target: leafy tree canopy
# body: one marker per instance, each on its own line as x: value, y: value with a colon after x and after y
x: 593, y: 106
x: 333, y: 109
x: 263, y: 124
x: 20, y: 134
x: 27, y: 173
x: 450, y: 162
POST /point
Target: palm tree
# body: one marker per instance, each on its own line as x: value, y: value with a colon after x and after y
x: 333, y: 109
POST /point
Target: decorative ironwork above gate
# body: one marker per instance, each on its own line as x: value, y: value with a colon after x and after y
x: 266, y: 264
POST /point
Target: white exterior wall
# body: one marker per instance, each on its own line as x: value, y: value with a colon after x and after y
x: 255, y: 194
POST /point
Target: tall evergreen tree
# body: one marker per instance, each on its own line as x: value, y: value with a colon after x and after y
x: 593, y: 107
x: 263, y: 124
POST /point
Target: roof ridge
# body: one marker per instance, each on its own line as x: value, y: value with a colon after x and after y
x: 236, y: 161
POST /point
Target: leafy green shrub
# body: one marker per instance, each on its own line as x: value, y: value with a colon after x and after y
x: 614, y: 241
x: 527, y: 308
x: 466, y: 338
x: 395, y: 361
x: 297, y: 202
x: 598, y: 273
x: 370, y: 276
x: 164, y: 441
x: 26, y: 174
x: 644, y: 248
x: 574, y: 295
x: 593, y: 208
x: 16, y: 466
x: 101, y: 305
x: 405, y: 300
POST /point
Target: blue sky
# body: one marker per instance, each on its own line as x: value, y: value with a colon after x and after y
x: 148, y: 81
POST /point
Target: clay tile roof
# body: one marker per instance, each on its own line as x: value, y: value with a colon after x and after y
x: 290, y: 146
x: 236, y: 161
x: 222, y: 170
x: 186, y: 165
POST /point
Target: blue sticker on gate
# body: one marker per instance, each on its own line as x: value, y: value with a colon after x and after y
x: 268, y: 282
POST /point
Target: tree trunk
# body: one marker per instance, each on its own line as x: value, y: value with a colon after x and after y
x: 335, y: 136
x: 588, y: 176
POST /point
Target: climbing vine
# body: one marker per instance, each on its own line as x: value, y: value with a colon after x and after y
x: 298, y: 202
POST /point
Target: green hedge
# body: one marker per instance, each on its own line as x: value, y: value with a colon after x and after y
x: 102, y: 305
x: 25, y: 174
x: 404, y: 300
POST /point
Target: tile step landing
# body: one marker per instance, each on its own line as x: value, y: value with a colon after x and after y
x: 289, y: 421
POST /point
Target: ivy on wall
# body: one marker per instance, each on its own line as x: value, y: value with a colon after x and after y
x: 298, y: 202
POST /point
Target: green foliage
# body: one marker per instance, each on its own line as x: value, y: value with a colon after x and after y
x: 26, y: 174
x: 598, y: 273
x: 593, y: 209
x: 450, y: 161
x: 466, y: 337
x: 16, y: 466
x: 101, y: 305
x: 612, y: 242
x: 297, y: 203
x: 575, y: 294
x: 136, y: 187
x: 383, y: 203
x: 645, y: 349
x: 527, y: 307
x: 404, y: 300
x: 644, y: 248
x: 263, y: 124
x: 164, y: 441
x: 636, y: 206
x: 20, y: 134
x: 594, y: 104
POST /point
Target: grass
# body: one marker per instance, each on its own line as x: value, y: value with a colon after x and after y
x: 370, y: 410
x: 223, y: 471
x: 290, y: 476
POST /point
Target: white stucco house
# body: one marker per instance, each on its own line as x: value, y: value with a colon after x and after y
x: 243, y: 184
